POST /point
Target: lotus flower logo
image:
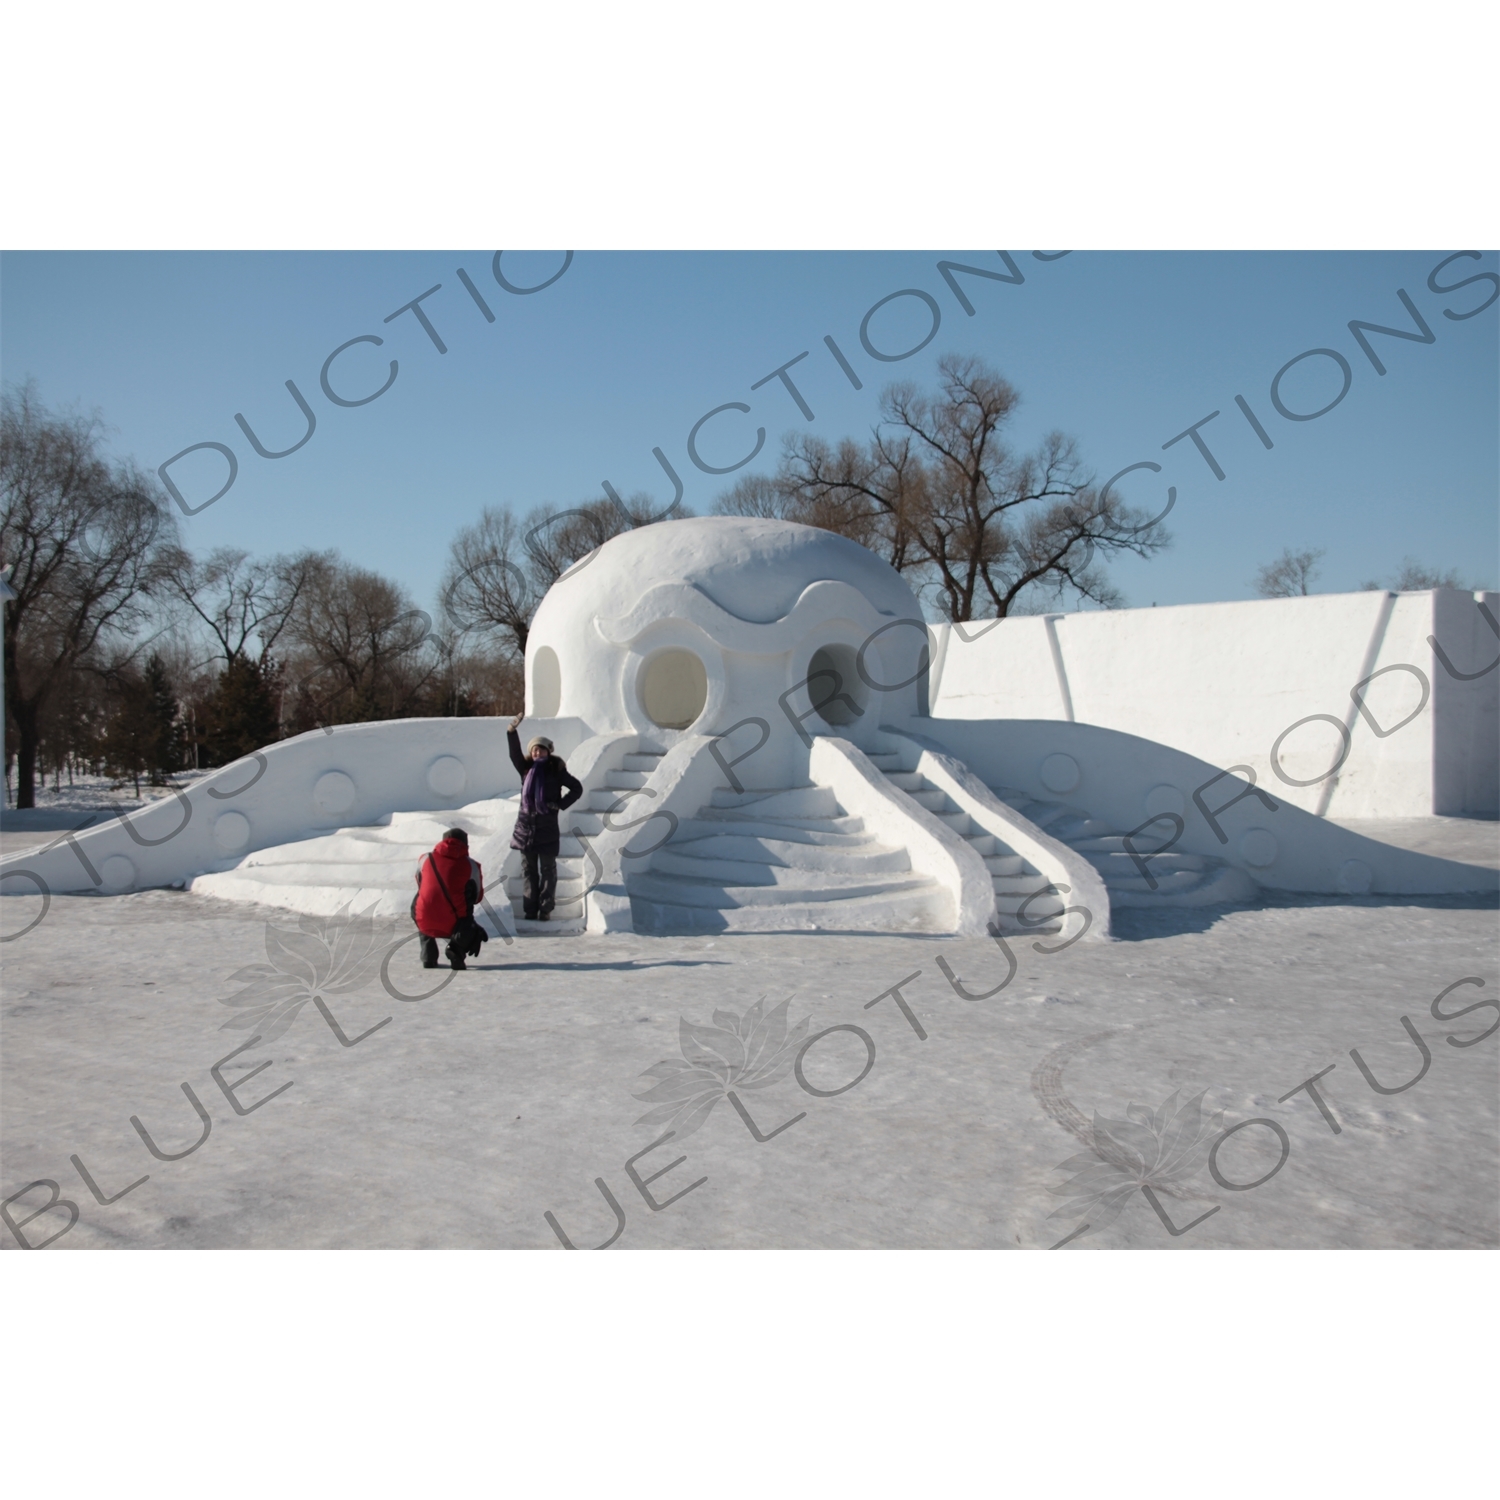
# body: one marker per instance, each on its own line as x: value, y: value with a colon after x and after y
x: 751, y: 1051
x: 1155, y: 1149
x: 320, y: 956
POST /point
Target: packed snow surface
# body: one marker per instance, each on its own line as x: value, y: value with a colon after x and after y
x: 925, y: 1118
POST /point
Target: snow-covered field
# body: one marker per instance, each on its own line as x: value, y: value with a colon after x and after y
x: 86, y: 800
x: 921, y: 1119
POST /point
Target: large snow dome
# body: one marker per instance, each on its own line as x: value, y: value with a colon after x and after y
x: 688, y: 626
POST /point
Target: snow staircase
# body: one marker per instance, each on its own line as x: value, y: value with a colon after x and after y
x: 373, y: 867
x: 1017, y: 882
x: 1176, y: 879
x: 364, y: 868
x: 785, y: 859
x: 574, y: 871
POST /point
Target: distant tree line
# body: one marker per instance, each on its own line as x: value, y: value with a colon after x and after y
x: 128, y: 657
x: 977, y: 528
x: 1293, y: 573
x: 125, y: 655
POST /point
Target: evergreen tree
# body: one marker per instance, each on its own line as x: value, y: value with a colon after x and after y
x: 141, y: 737
x: 241, y: 713
x: 127, y: 732
x: 163, y: 743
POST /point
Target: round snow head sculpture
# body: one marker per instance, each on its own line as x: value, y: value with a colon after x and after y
x: 687, y: 627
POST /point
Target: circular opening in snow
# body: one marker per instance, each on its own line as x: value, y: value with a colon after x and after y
x: 1165, y: 799
x: 834, y: 684
x: 673, y: 688
x: 1258, y: 847
x: 334, y: 792
x: 231, y: 831
x: 446, y: 776
x: 546, y: 684
x: 1060, y: 773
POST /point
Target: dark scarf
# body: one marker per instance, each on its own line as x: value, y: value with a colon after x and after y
x: 534, y: 788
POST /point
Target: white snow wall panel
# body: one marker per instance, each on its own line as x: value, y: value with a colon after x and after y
x: 1233, y: 683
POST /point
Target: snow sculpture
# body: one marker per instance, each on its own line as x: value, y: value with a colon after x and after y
x: 746, y: 702
x: 688, y: 626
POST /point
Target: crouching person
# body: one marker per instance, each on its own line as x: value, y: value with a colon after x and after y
x: 449, y: 886
x: 546, y: 790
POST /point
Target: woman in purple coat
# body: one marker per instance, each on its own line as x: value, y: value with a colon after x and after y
x: 546, y: 790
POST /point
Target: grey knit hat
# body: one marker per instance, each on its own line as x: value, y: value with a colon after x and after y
x: 542, y: 740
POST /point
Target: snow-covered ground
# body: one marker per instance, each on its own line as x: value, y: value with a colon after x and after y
x: 69, y: 804
x: 466, y: 1118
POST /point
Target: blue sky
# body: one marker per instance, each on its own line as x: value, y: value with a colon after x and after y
x: 624, y: 352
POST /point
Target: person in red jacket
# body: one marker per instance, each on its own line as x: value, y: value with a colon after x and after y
x: 449, y: 886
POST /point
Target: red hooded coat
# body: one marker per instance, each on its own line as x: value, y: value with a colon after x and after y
x: 441, y: 897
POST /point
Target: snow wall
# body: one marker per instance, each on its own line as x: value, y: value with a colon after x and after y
x: 355, y: 775
x: 1232, y: 683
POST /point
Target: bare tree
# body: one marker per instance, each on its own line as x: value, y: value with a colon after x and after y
x: 556, y: 539
x: 83, y: 543
x: 868, y: 495
x: 358, y: 644
x: 499, y: 568
x: 1290, y: 575
x: 939, y: 494
x: 1414, y: 576
x: 486, y: 586
x: 471, y: 683
x: 240, y: 598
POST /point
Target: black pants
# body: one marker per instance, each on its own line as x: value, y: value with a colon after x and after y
x: 539, y: 882
x: 429, y: 949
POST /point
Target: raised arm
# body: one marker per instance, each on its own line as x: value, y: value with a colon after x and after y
x: 513, y: 743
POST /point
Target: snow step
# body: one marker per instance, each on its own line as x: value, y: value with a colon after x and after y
x: 924, y: 907
x: 623, y: 780
x: 371, y: 866
x: 1010, y: 926
x: 684, y: 856
x: 1008, y: 903
x: 1176, y: 879
x: 842, y: 832
x: 1166, y: 881
x: 555, y: 926
x: 1013, y: 878
x: 603, y: 799
x: 797, y: 802
x: 1007, y: 864
x: 1106, y: 861
x: 677, y: 891
x: 782, y: 859
x: 1217, y: 887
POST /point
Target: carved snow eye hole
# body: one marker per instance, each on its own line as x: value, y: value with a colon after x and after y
x: 834, y: 686
x: 673, y: 689
x: 546, y: 684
